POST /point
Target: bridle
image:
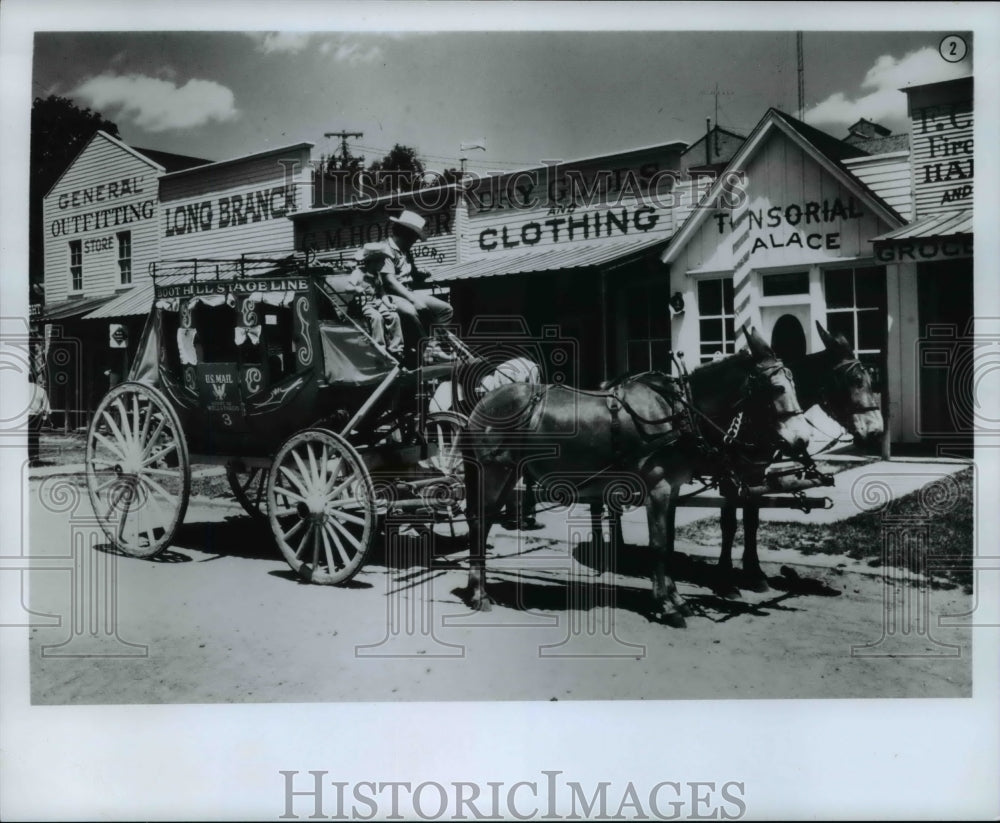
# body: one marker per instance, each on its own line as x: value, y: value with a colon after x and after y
x: 843, y: 373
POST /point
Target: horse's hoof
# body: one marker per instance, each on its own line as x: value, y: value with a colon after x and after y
x: 481, y: 604
x: 675, y: 620
x: 727, y: 591
x: 757, y: 583
x: 684, y: 610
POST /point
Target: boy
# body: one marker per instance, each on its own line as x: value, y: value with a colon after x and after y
x: 377, y: 307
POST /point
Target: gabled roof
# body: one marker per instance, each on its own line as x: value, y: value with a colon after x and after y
x: 827, y: 151
x: 114, y: 141
x: 172, y: 162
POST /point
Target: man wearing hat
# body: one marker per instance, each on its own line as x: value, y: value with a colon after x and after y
x: 419, y: 311
x: 378, y: 310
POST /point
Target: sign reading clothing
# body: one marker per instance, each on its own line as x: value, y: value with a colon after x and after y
x: 569, y: 227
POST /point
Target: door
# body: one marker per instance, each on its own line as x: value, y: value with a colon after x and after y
x: 945, y: 311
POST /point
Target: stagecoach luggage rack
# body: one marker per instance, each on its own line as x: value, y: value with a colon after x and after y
x: 248, y: 264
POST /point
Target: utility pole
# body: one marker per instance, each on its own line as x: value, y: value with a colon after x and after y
x: 343, y: 135
x: 801, y: 74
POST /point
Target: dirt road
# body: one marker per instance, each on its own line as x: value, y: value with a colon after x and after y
x: 220, y: 618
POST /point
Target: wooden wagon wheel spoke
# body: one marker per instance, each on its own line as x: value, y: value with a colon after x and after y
x: 350, y: 518
x: 307, y: 510
x: 326, y: 548
x: 335, y: 525
x: 344, y: 559
x: 139, y: 514
x: 111, y: 447
x: 160, y: 454
x: 297, y: 480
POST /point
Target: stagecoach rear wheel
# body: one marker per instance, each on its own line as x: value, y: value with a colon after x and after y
x: 138, y: 472
x: 442, y: 431
x: 249, y: 487
x: 321, y: 506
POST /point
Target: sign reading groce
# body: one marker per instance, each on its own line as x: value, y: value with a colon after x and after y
x: 924, y: 249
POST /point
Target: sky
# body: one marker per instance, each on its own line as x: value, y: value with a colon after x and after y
x: 528, y: 96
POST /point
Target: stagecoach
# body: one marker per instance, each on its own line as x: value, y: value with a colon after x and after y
x: 262, y: 366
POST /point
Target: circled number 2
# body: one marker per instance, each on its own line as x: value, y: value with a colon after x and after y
x: 953, y: 48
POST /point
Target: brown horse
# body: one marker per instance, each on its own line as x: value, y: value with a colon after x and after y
x: 641, y: 427
x: 835, y: 380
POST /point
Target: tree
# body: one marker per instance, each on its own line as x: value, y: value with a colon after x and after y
x: 400, y: 170
x: 59, y: 130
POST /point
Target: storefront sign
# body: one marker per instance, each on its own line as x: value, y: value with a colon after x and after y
x: 942, y: 146
x: 805, y: 225
x: 228, y: 210
x: 242, y: 286
x: 117, y: 336
x: 924, y: 249
x: 109, y: 218
x: 558, y: 226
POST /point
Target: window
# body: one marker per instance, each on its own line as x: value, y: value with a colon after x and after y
x: 856, y: 308
x: 647, y: 327
x: 125, y: 256
x: 76, y: 265
x: 778, y: 285
x: 715, y: 318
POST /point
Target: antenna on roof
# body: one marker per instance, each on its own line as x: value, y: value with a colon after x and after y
x: 801, y: 75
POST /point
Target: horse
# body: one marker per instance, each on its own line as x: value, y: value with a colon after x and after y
x: 838, y: 382
x: 642, y: 426
x: 835, y: 380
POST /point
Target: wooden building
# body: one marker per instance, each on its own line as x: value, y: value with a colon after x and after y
x: 101, y: 233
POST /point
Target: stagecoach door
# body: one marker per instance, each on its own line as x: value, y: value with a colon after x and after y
x: 220, y: 396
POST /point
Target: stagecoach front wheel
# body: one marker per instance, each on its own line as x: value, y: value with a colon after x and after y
x: 321, y: 506
x: 138, y: 472
x: 249, y: 485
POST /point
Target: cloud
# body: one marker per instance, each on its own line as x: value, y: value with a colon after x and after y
x: 281, y: 41
x: 159, y: 105
x: 885, y: 78
x: 352, y: 53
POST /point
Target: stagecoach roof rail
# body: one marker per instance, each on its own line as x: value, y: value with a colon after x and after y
x: 246, y: 265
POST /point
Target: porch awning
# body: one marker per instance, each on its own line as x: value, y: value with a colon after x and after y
x: 617, y: 251
x: 950, y: 224
x: 71, y: 307
x: 135, y: 301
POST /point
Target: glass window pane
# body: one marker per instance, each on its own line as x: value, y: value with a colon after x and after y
x: 709, y: 297
x: 871, y: 329
x: 839, y: 289
x: 841, y: 322
x: 711, y: 330
x: 708, y: 352
x: 659, y: 321
x: 661, y: 355
x: 638, y: 356
x: 870, y: 287
x: 773, y: 285
x: 727, y: 290
x: 730, y: 334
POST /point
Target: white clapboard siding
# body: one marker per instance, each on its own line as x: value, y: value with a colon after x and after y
x: 781, y: 177
x: 887, y: 175
x: 227, y: 209
x: 98, y: 172
x: 943, y: 165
